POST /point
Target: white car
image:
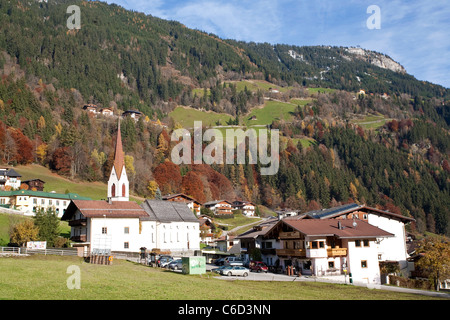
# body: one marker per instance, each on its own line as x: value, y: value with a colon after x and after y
x: 235, y: 271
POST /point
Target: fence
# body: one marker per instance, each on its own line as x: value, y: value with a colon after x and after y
x: 26, y: 251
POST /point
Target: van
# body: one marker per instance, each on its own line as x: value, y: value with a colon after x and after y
x: 233, y: 261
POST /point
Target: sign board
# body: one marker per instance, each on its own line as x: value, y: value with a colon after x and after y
x: 194, y: 265
x: 37, y: 245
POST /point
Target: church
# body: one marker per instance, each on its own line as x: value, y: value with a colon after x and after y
x: 118, y: 225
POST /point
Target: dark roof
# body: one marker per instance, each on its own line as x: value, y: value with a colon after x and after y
x: 348, y: 208
x: 168, y: 211
x: 132, y: 111
x: 171, y: 196
x: 102, y: 208
x: 25, y: 181
x: 9, y: 172
x: 330, y: 227
x: 212, y: 203
x: 259, y: 230
x: 326, y: 213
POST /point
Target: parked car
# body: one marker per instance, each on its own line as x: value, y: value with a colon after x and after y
x: 219, y: 262
x: 235, y: 271
x: 163, y: 261
x: 258, y: 266
x: 233, y: 261
x: 219, y: 269
x: 175, y: 264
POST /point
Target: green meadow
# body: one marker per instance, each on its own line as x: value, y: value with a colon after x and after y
x: 46, y: 278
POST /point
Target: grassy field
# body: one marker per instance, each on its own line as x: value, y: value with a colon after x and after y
x: 187, y: 116
x: 46, y: 277
x: 272, y: 110
x: 371, y: 122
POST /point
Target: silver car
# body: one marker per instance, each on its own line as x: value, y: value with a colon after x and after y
x: 235, y: 271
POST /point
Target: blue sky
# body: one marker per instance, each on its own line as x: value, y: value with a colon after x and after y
x: 415, y: 33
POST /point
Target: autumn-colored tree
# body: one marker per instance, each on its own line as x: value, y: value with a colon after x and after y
x: 41, y: 152
x: 24, y: 186
x: 435, y: 259
x: 192, y: 185
x: 61, y: 160
x: 168, y: 177
x: 24, y: 232
x: 24, y: 154
x: 152, y: 188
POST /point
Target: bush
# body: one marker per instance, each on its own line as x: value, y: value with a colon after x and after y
x: 410, y: 283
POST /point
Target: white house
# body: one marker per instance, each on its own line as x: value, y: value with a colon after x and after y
x: 219, y: 207
x: 388, y: 249
x: 248, y: 208
x: 323, y: 247
x: 9, y: 178
x: 255, y: 239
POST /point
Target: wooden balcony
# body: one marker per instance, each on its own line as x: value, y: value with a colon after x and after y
x: 78, y: 223
x: 289, y: 235
x: 337, y: 252
x: 291, y: 252
x: 80, y: 238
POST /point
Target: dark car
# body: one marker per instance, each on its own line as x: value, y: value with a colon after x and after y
x: 164, y: 260
x: 176, y: 264
x: 219, y: 262
x: 258, y: 266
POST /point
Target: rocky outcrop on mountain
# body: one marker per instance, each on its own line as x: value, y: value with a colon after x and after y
x: 377, y: 59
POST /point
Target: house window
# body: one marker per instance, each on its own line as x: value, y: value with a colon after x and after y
x: 57, y: 202
x: 104, y: 230
x: 363, y: 263
x: 126, y: 230
x: 50, y: 202
x: 330, y: 264
x: 126, y: 245
x: 365, y: 216
x: 321, y: 244
x: 34, y: 201
x: 313, y: 244
x: 357, y: 243
x: 366, y: 243
x: 42, y: 201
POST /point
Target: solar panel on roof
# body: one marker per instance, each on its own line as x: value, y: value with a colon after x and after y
x: 332, y: 211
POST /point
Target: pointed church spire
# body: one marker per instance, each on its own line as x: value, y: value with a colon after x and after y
x: 118, y: 185
x: 119, y: 160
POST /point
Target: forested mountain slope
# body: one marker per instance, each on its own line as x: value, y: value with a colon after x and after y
x: 128, y: 60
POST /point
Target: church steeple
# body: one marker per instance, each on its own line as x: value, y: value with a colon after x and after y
x: 118, y: 185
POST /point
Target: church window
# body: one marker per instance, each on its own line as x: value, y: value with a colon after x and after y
x: 113, y: 190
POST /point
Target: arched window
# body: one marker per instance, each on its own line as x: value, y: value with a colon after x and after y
x: 113, y: 190
x: 123, y: 190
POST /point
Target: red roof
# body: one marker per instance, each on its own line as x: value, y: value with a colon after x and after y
x: 101, y: 208
x: 330, y: 227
